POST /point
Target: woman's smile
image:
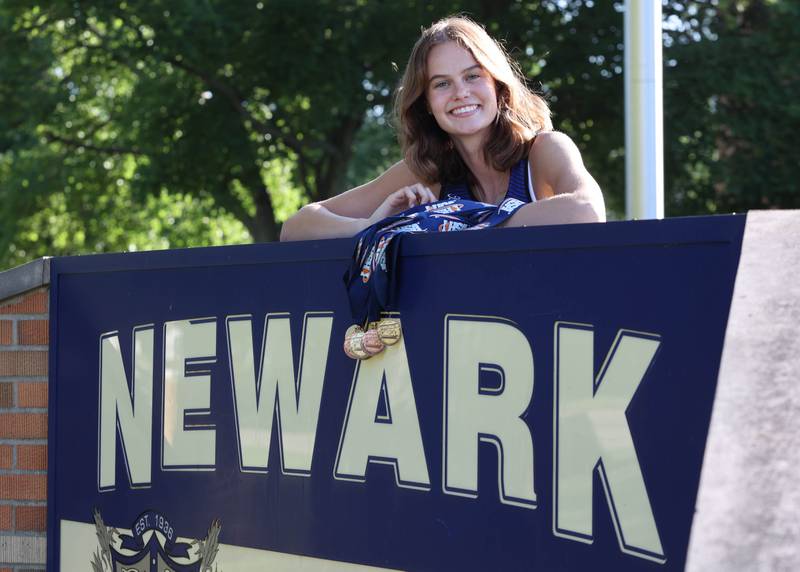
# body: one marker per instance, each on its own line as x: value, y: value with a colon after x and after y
x: 465, y: 110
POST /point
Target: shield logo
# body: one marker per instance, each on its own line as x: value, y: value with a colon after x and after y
x: 153, y: 547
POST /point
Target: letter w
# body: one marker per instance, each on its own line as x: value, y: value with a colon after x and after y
x: 296, y: 399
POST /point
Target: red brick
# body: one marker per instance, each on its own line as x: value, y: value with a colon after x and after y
x: 33, y: 332
x: 23, y: 425
x: 33, y: 303
x: 19, y: 363
x: 6, y: 456
x: 32, y: 394
x: 6, y: 570
x: 5, y: 521
x: 6, y: 327
x: 6, y: 395
x: 23, y: 487
x: 30, y: 518
x: 32, y: 457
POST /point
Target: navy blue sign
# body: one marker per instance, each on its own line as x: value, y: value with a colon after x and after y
x: 545, y: 409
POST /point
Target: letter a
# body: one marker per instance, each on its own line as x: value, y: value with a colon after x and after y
x: 370, y: 437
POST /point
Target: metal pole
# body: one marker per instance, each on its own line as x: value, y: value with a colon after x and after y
x: 644, y: 124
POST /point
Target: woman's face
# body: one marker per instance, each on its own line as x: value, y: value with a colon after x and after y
x: 461, y: 95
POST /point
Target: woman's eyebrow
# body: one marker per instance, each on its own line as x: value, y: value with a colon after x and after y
x: 462, y: 71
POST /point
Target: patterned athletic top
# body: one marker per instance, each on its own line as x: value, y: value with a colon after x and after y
x: 520, y: 186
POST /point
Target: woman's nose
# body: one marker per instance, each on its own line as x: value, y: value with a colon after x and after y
x: 462, y: 90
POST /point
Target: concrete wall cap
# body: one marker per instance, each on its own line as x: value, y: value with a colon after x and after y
x: 25, y: 277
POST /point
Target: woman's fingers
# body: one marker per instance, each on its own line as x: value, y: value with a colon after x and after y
x: 411, y: 195
x: 402, y: 199
x: 418, y: 194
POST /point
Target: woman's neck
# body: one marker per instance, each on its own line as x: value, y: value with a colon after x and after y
x: 492, y: 184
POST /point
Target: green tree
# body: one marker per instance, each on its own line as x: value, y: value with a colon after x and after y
x: 163, y: 124
x: 237, y: 112
x: 732, y: 115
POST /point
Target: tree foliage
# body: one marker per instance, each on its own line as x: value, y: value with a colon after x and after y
x: 732, y: 114
x: 152, y: 124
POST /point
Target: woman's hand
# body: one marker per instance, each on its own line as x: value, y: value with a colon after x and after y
x: 402, y: 199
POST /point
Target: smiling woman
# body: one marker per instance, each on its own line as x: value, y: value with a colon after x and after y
x: 467, y: 124
x: 461, y: 95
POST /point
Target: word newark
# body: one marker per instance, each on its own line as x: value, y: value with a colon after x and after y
x: 590, y: 428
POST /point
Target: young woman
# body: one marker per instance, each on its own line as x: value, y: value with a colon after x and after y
x: 469, y: 128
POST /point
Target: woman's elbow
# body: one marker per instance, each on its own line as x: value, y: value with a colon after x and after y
x: 286, y: 229
x: 292, y: 226
x: 590, y: 206
x: 594, y: 211
x: 286, y: 234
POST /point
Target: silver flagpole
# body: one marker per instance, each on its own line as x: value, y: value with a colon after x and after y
x: 644, y: 124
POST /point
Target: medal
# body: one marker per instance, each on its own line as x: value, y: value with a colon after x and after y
x: 372, y: 342
x: 389, y: 331
x: 359, y: 344
x: 354, y: 343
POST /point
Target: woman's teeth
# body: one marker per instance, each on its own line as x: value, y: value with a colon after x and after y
x: 464, y: 110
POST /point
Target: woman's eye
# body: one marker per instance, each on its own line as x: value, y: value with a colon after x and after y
x: 472, y: 76
x: 439, y: 84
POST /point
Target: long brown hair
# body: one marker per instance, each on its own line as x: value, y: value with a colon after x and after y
x: 428, y: 150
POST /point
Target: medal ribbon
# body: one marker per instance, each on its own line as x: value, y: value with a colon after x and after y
x: 371, y: 280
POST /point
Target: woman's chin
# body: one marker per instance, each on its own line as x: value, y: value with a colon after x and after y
x: 465, y: 129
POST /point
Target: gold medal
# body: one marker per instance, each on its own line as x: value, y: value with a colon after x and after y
x: 389, y: 331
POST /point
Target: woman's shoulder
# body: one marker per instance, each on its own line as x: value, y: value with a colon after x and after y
x: 552, y: 151
x: 552, y: 142
x: 554, y: 158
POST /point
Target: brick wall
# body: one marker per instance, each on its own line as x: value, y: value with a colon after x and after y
x: 23, y: 431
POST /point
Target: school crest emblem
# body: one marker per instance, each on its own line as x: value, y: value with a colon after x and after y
x: 153, y: 546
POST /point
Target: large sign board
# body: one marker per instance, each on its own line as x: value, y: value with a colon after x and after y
x: 546, y: 408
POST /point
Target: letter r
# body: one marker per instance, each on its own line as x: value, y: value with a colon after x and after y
x: 474, y: 413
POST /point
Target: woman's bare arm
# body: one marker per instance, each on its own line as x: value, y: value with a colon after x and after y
x: 347, y: 214
x: 565, y: 190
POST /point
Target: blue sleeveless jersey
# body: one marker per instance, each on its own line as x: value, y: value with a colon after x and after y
x: 519, y: 186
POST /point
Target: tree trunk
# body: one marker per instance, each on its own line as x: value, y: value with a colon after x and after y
x: 262, y: 227
x: 334, y: 165
x: 266, y: 227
